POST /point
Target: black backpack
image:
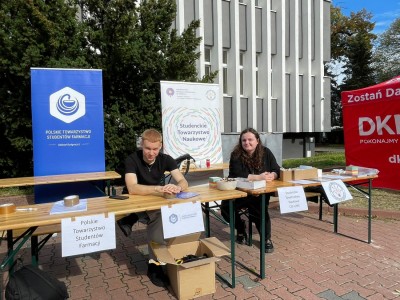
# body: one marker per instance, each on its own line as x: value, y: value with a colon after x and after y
x: 31, y: 283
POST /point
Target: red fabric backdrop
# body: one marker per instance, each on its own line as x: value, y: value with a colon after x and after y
x: 371, y: 124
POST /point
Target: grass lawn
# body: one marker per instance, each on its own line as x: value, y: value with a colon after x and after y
x: 321, y: 160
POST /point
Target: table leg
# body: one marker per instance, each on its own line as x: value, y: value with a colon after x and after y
x: 369, y: 196
x: 369, y: 210
x: 335, y: 218
x: 10, y: 249
x: 262, y: 238
x: 207, y: 217
x: 232, y: 231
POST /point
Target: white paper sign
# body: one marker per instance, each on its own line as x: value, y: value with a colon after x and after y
x: 336, y: 191
x: 181, y: 219
x: 292, y: 199
x: 87, y: 234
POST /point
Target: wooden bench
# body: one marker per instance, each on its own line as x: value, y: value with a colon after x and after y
x: 36, y: 245
x: 42, y: 230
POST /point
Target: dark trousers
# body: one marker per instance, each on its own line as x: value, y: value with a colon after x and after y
x: 253, y: 205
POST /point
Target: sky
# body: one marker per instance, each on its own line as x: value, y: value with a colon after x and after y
x: 384, y: 12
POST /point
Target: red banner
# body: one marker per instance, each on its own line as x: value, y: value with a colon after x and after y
x: 371, y: 124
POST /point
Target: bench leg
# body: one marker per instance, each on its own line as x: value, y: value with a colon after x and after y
x: 35, y: 250
x: 320, y: 208
x: 250, y: 237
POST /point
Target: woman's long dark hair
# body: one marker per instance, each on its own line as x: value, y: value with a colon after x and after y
x: 255, y: 162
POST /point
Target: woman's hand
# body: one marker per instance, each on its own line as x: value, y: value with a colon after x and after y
x: 267, y: 176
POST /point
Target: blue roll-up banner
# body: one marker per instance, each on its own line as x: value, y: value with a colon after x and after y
x: 67, y: 124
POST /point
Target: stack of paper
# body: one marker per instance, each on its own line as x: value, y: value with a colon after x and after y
x: 244, y: 183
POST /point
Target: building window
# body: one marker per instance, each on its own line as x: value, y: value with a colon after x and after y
x: 225, y: 71
x: 257, y: 85
x: 207, y: 61
x: 241, y: 72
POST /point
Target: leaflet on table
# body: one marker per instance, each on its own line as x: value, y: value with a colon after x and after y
x: 334, y: 176
x: 60, y: 208
x: 186, y: 195
x: 320, y: 179
x: 324, y: 178
x: 302, y: 181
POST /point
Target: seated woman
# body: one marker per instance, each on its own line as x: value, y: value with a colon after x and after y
x: 250, y: 159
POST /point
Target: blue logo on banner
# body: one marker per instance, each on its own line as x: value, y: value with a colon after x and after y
x: 67, y: 105
x: 67, y: 121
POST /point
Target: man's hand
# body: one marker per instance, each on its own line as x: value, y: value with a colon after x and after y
x: 169, y: 189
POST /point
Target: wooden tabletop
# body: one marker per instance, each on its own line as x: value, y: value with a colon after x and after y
x: 272, y: 186
x: 100, y: 205
x: 213, y: 167
x: 64, y: 178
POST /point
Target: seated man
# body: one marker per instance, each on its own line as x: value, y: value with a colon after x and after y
x: 144, y: 172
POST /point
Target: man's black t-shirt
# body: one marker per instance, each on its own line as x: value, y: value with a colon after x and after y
x: 149, y: 174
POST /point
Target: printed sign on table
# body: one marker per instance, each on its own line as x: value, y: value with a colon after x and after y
x: 87, y: 234
x: 292, y: 199
x: 336, y: 191
x: 181, y: 219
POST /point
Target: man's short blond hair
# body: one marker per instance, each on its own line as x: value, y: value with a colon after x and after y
x: 152, y: 136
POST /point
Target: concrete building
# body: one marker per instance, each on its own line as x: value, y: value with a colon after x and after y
x: 270, y: 57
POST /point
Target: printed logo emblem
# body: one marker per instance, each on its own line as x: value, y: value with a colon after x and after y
x: 210, y: 94
x: 173, y: 218
x: 170, y: 92
x: 337, y: 191
x: 67, y: 105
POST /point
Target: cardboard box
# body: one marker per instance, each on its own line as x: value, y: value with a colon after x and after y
x: 244, y: 183
x: 297, y: 174
x: 286, y: 175
x: 192, y: 279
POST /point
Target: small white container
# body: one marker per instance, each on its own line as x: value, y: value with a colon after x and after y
x: 223, y: 185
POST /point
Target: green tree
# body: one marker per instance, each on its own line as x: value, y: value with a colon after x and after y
x: 359, y: 72
x: 340, y: 31
x: 336, y: 103
x: 33, y: 33
x: 387, y: 56
x: 136, y: 48
x: 339, y: 34
x: 351, y: 56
